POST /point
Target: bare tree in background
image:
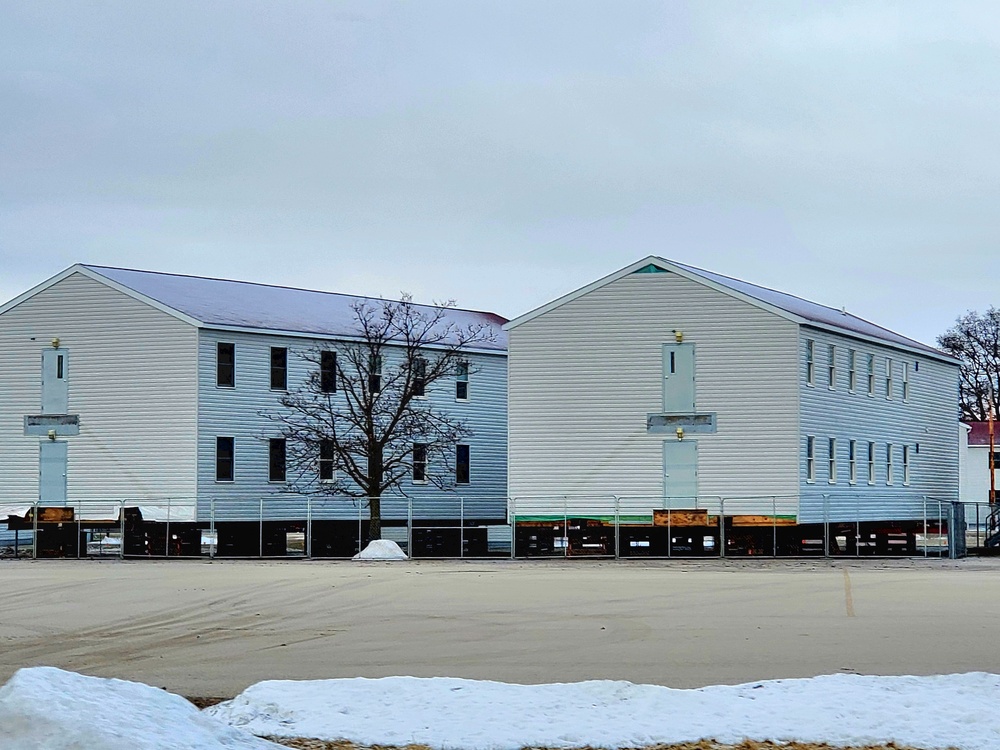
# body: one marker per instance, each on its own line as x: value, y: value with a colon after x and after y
x: 352, y: 428
x: 975, y: 339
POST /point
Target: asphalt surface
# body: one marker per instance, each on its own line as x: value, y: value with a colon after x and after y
x: 203, y: 628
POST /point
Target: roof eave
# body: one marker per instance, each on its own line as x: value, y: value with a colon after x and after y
x: 326, y: 336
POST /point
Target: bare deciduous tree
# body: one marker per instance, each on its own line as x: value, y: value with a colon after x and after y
x: 975, y: 339
x: 352, y: 427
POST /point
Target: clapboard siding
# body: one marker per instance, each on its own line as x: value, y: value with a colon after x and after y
x: 240, y: 412
x: 132, y: 379
x: 927, y: 418
x: 584, y: 376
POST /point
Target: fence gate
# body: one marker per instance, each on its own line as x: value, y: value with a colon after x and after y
x: 957, y: 527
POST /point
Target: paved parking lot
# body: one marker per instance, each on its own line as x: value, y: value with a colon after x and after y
x: 212, y: 628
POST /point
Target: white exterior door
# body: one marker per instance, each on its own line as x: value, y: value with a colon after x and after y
x: 52, y: 472
x: 678, y: 378
x: 680, y: 471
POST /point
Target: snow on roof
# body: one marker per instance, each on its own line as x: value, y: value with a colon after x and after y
x: 243, y: 304
x: 811, y: 311
x: 787, y: 305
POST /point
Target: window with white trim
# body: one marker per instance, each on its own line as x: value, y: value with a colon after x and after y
x: 810, y: 459
x: 328, y: 371
x: 810, y: 362
x: 419, y: 463
x: 463, y: 467
x: 225, y: 459
x: 327, y: 462
x: 375, y: 375
x: 871, y: 374
x: 225, y: 364
x: 852, y: 462
x: 462, y: 381
x: 906, y: 464
x: 871, y: 463
x: 279, y: 368
x: 852, y: 370
x: 276, y: 459
x: 832, y: 459
x: 888, y: 464
x: 888, y: 378
x: 419, y: 377
x: 831, y: 367
x: 906, y: 381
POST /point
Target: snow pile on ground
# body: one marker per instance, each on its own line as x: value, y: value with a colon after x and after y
x: 48, y: 709
x: 381, y: 549
x: 928, y: 712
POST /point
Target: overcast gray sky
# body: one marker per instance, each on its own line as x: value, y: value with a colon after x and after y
x: 505, y: 153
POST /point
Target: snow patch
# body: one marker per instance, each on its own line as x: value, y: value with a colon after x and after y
x: 44, y: 708
x: 381, y: 549
x: 955, y: 711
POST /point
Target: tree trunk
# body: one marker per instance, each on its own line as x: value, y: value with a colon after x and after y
x: 375, y: 514
x: 375, y: 492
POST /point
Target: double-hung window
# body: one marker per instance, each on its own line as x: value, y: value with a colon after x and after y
x: 327, y: 461
x: 462, y: 381
x: 810, y: 459
x: 906, y: 381
x: 871, y: 463
x: 225, y: 365
x: 871, y: 374
x: 810, y: 362
x: 888, y: 378
x: 375, y: 375
x: 832, y: 458
x: 419, y: 462
x: 831, y: 367
x: 328, y: 371
x: 419, y: 377
x: 888, y: 464
x: 276, y: 460
x: 852, y: 370
x: 225, y: 460
x: 852, y: 462
x: 462, y: 465
x: 279, y: 368
x: 906, y: 464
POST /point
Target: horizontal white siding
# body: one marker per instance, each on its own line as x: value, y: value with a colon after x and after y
x: 240, y: 413
x: 584, y: 376
x: 132, y: 379
x: 928, y: 418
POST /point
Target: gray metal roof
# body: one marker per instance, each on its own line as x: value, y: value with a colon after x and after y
x: 811, y: 311
x: 242, y: 304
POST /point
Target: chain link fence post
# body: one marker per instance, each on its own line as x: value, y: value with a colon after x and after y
x: 722, y: 527
x: 309, y: 528
x: 512, y: 516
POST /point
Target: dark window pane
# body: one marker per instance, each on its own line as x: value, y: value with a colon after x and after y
x: 419, y: 462
x: 279, y: 368
x: 225, y: 365
x: 375, y: 375
x: 276, y: 460
x: 326, y: 461
x: 328, y: 371
x: 224, y: 459
x: 462, y: 381
x: 462, y: 464
x: 419, y: 376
